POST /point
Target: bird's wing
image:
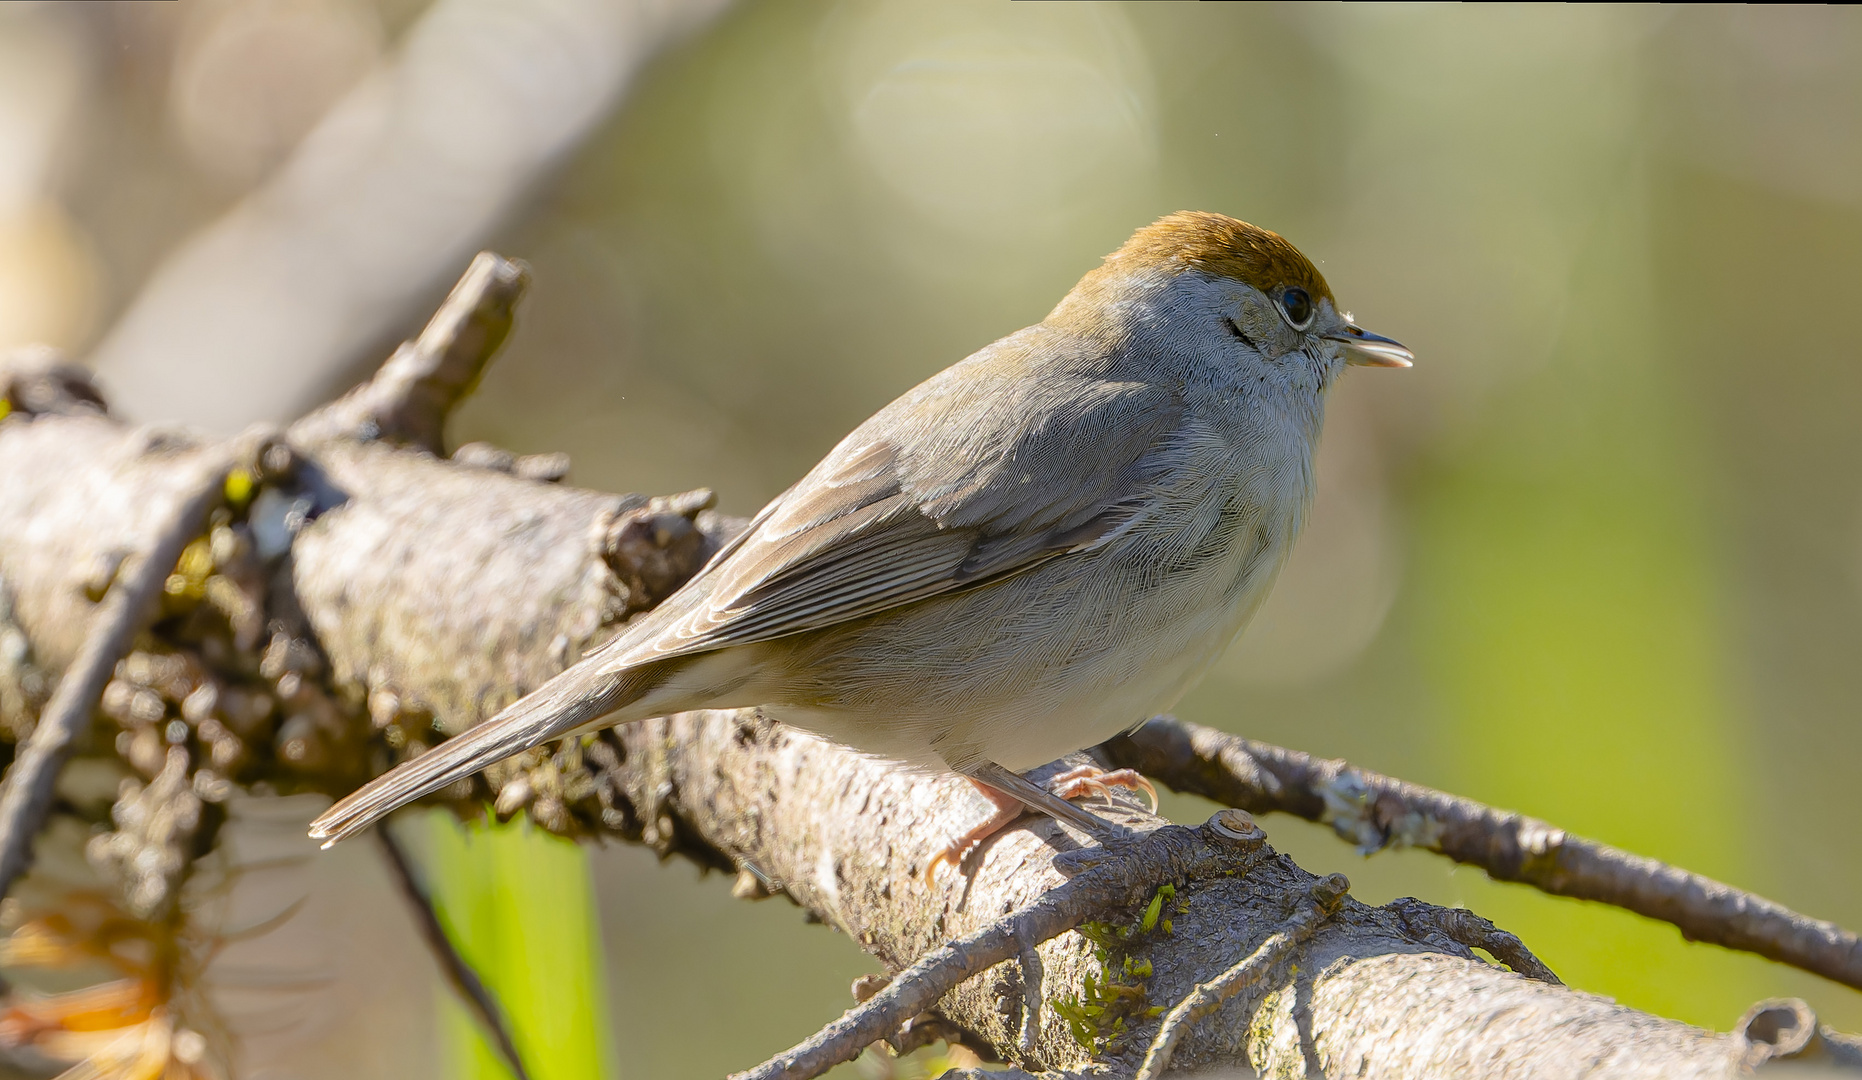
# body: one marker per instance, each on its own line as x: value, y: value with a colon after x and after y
x: 965, y: 480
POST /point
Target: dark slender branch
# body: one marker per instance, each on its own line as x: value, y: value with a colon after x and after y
x: 1206, y: 998
x: 26, y: 795
x: 458, y: 972
x: 1377, y: 811
x: 409, y: 398
x: 1172, y: 853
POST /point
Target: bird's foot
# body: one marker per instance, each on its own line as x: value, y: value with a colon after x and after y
x: 1004, y: 810
x: 1010, y: 795
x: 1087, y: 780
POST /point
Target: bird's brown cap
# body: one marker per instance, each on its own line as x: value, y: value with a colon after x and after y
x: 1218, y: 244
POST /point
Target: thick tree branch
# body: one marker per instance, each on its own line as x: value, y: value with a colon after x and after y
x: 1207, y: 998
x: 370, y: 598
x: 848, y: 839
x: 1375, y: 811
x: 1169, y: 854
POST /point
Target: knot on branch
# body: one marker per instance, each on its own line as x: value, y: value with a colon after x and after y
x: 655, y: 548
x: 543, y: 468
x: 1370, y: 819
x: 1787, y: 1029
x: 36, y: 381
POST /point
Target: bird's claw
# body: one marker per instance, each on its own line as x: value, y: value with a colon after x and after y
x: 1092, y: 780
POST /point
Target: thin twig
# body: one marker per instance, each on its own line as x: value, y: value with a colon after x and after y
x: 1327, y: 894
x: 26, y: 795
x: 1033, y: 975
x: 1470, y: 931
x: 409, y: 398
x: 459, y: 973
x: 1117, y: 879
x: 1377, y: 811
x: 921, y: 1030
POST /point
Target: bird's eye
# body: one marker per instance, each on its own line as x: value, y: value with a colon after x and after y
x: 1296, y: 305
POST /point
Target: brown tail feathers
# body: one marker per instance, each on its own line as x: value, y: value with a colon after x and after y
x: 583, y: 694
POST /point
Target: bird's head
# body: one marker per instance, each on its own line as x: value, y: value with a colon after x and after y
x: 1214, y: 285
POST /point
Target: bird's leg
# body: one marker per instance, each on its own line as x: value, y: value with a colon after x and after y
x: 1004, y: 809
x: 1042, y: 801
x: 1093, y: 780
x: 1010, y: 794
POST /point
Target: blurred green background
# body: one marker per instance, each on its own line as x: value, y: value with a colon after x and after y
x: 1597, y: 558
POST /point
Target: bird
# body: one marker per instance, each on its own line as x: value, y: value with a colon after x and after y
x: 1030, y: 552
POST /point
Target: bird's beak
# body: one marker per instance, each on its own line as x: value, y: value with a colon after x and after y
x: 1366, y: 349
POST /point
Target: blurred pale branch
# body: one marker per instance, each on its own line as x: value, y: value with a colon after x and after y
x: 354, y: 599
x: 265, y: 308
